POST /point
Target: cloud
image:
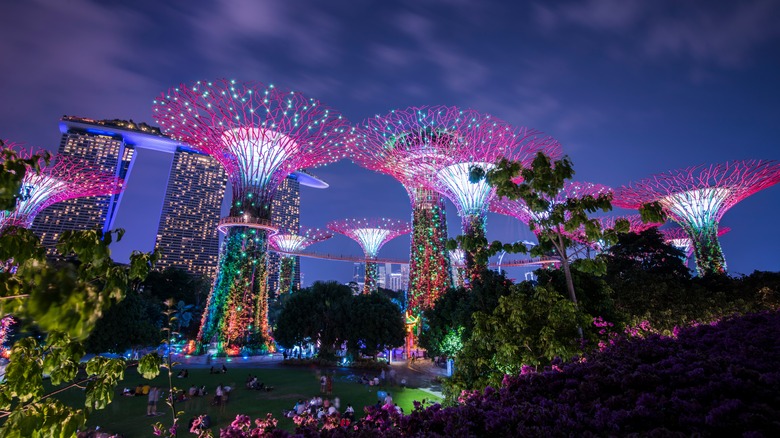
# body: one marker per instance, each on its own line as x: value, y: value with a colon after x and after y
x: 57, y: 65
x: 230, y: 30
x: 724, y: 37
x: 703, y: 32
x: 460, y: 72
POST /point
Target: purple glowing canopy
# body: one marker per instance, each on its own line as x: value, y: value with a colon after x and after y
x: 64, y: 178
x: 435, y: 146
x: 260, y: 134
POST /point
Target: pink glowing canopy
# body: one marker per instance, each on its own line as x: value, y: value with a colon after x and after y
x: 435, y: 147
x: 259, y: 133
x: 699, y: 196
x: 370, y: 234
x: 295, y: 242
x: 64, y: 178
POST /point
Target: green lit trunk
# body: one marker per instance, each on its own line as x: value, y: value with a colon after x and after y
x: 429, y: 263
x: 286, y: 275
x: 707, y: 251
x: 474, y: 227
x: 371, y: 276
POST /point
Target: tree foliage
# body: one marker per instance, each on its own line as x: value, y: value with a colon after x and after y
x: 328, y: 314
x: 63, y: 299
x: 375, y: 324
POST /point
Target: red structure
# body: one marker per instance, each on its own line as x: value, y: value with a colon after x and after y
x: 371, y: 235
x: 64, y: 178
x: 287, y: 244
x: 697, y: 197
x: 260, y: 134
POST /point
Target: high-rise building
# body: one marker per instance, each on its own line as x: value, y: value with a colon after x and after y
x: 359, y: 273
x: 285, y: 214
x: 395, y: 277
x: 187, y: 233
x: 111, y: 152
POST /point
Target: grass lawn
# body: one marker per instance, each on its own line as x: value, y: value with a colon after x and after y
x: 127, y: 415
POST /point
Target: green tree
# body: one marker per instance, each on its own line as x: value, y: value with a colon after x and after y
x: 316, y: 314
x: 530, y: 326
x: 176, y: 283
x: 449, y: 323
x: 376, y: 324
x: 63, y: 300
x: 133, y: 322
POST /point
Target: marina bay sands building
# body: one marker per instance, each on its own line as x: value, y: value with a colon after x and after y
x: 187, y: 231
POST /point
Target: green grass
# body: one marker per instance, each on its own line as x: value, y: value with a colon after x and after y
x: 127, y: 415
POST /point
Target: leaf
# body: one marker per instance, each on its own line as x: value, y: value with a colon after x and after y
x: 149, y: 366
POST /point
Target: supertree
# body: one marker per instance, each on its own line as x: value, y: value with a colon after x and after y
x: 289, y: 243
x: 371, y: 235
x: 679, y: 238
x: 439, y: 146
x: 406, y: 144
x: 697, y: 197
x: 260, y: 134
x: 64, y: 178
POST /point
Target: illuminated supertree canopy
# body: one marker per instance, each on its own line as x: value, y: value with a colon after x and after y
x: 371, y: 235
x: 436, y: 147
x: 697, y: 197
x: 679, y: 238
x: 287, y: 243
x: 64, y: 178
x: 260, y: 134
x: 407, y: 144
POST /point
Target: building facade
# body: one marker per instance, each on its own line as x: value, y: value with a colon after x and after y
x: 187, y: 235
x: 285, y: 214
x: 110, y: 153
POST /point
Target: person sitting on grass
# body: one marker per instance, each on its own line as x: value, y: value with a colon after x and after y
x: 349, y: 413
x: 224, y: 369
x: 218, y: 395
x: 193, y: 391
x: 139, y: 390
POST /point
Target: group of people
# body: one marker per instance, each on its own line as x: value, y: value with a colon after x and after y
x: 253, y: 383
x: 218, y: 370
x: 320, y: 408
x: 382, y: 379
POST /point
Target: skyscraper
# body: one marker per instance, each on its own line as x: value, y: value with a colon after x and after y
x: 285, y: 214
x: 109, y: 150
x: 187, y: 235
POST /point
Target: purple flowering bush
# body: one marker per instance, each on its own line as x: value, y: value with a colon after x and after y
x: 712, y: 379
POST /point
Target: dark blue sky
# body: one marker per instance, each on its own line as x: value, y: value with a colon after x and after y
x: 629, y: 87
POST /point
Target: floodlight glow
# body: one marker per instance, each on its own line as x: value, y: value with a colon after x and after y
x: 472, y: 197
x: 259, y: 151
x: 699, y: 207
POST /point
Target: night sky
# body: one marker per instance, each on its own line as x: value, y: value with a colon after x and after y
x: 630, y: 88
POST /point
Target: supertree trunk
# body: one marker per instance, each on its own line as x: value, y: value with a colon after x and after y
x: 429, y: 264
x: 286, y: 275
x: 371, y: 276
x: 474, y: 227
x: 708, y: 254
x: 237, y: 308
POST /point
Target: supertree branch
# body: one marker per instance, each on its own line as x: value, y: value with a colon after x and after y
x: 371, y: 235
x: 62, y: 179
x: 286, y: 243
x: 260, y: 134
x: 698, y: 197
